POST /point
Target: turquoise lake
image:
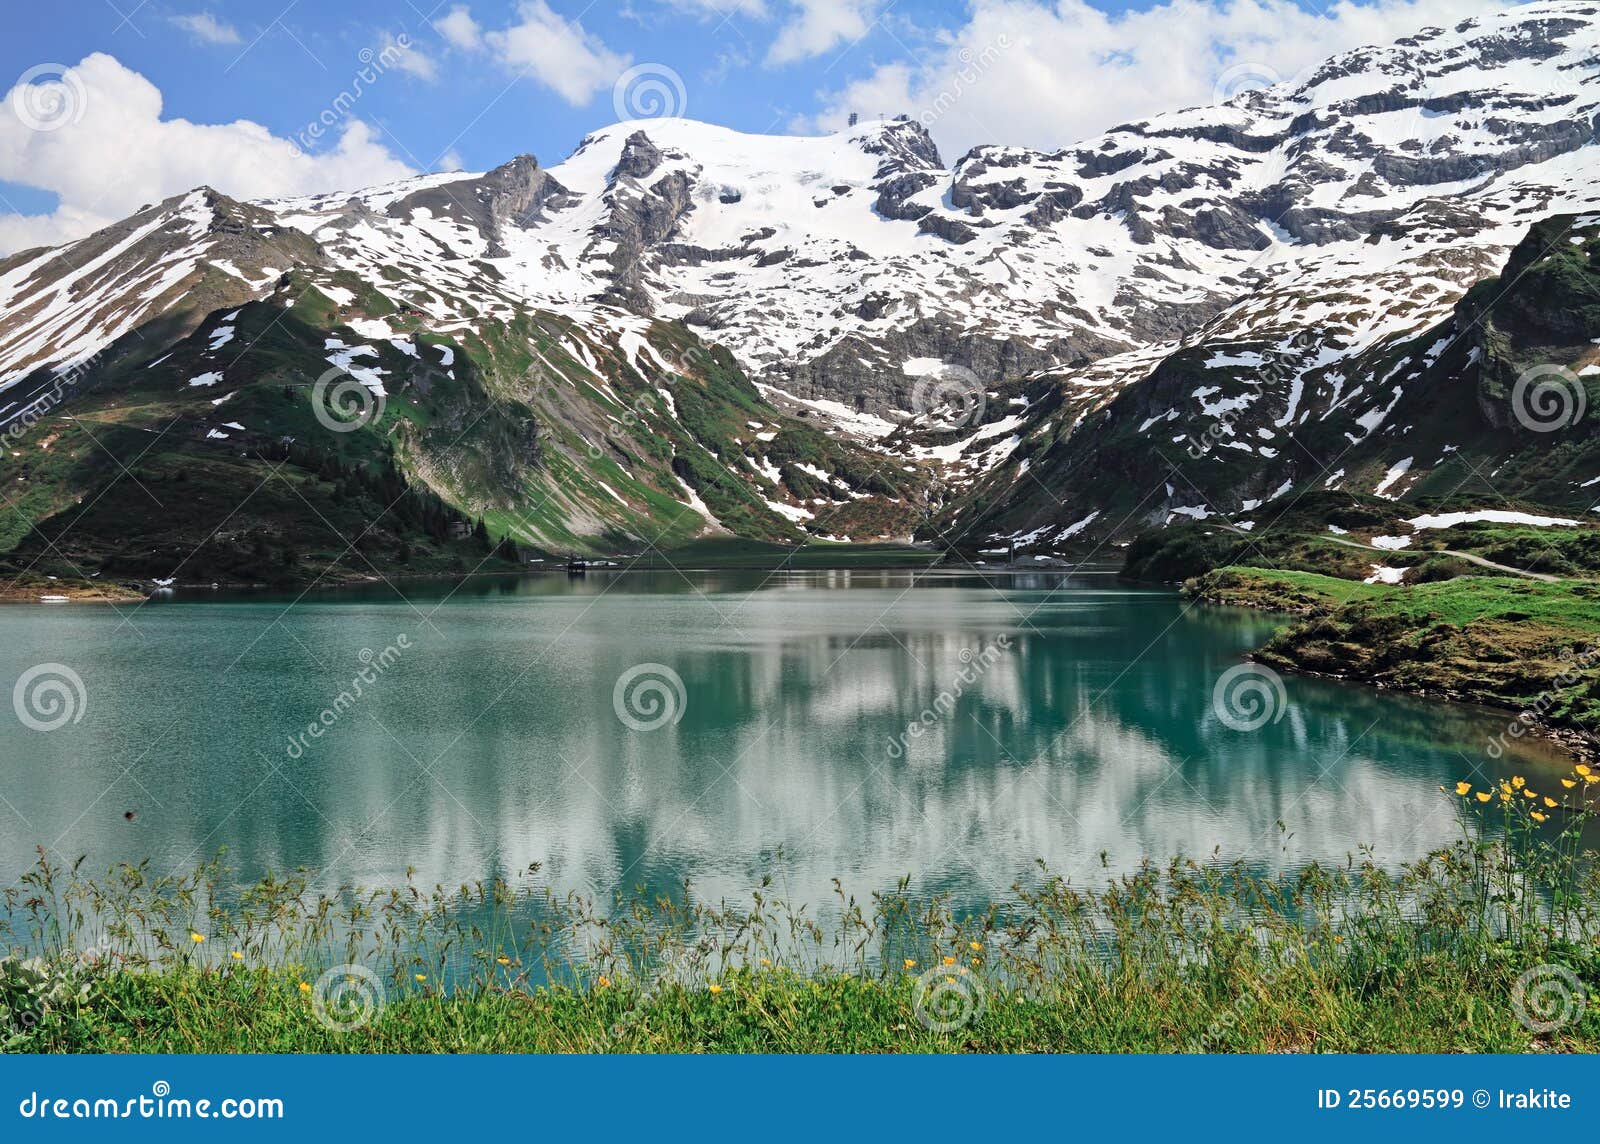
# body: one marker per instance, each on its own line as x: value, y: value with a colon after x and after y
x: 1066, y: 718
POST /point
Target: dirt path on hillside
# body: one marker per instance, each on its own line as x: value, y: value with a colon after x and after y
x: 1467, y: 556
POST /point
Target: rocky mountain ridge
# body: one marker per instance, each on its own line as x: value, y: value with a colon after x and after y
x: 1181, y: 318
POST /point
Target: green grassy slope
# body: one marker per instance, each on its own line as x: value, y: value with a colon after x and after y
x: 555, y: 438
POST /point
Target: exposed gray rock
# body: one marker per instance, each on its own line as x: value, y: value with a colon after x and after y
x: 517, y: 193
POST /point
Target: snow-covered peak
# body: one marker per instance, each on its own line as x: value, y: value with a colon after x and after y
x: 1394, y: 176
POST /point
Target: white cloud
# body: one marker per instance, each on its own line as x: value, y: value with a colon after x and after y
x: 459, y: 28
x: 404, y: 55
x: 557, y: 52
x: 449, y: 161
x: 721, y: 9
x: 115, y: 153
x: 729, y: 60
x: 818, y: 26
x: 206, y: 28
x: 1059, y: 72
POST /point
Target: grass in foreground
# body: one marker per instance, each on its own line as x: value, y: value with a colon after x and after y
x: 1429, y: 1006
x: 1485, y: 946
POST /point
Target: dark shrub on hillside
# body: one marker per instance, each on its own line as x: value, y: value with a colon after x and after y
x: 1180, y: 553
x: 1440, y: 568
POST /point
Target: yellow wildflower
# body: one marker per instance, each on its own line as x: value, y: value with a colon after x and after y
x: 1505, y: 796
x: 604, y: 982
x: 1484, y: 796
x: 716, y: 988
x: 1537, y: 817
x: 1529, y: 793
x: 911, y: 963
x: 305, y: 987
x: 197, y: 938
x: 1518, y: 781
x: 421, y: 976
x: 1550, y: 802
x: 503, y: 960
x: 1569, y: 783
x: 949, y: 961
x: 767, y: 963
x: 1582, y: 769
x: 236, y: 955
x: 974, y: 945
x: 1463, y: 789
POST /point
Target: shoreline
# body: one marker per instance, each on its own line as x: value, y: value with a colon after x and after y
x: 81, y: 593
x: 69, y: 593
x: 1010, y: 977
x: 1581, y: 745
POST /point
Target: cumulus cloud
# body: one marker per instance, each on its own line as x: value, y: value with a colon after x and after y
x: 109, y: 151
x: 404, y: 55
x: 818, y: 26
x: 557, y: 52
x: 1046, y: 75
x: 206, y: 28
x: 459, y: 28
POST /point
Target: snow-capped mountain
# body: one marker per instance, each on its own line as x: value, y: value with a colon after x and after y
x: 827, y: 264
x: 1402, y: 177
x: 1241, y: 293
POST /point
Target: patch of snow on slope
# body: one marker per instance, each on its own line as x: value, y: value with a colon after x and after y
x: 1493, y: 516
x: 1396, y: 471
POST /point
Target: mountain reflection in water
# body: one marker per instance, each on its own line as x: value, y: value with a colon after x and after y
x: 1067, y: 717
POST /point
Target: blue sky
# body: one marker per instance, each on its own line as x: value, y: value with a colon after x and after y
x: 282, y: 71
x: 480, y: 81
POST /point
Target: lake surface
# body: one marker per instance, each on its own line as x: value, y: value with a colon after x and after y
x: 1065, y: 717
